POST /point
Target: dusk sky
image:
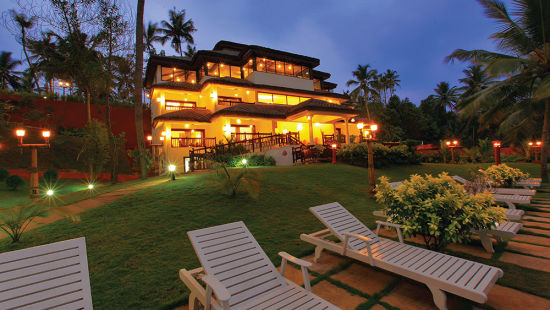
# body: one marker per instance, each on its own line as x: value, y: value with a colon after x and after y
x: 411, y: 37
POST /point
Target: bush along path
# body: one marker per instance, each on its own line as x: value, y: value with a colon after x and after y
x: 72, y: 210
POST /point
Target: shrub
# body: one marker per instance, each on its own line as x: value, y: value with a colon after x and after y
x: 50, y: 175
x: 233, y: 181
x: 357, y: 154
x: 14, y: 181
x: 14, y: 221
x: 503, y: 175
x: 4, y: 173
x: 438, y: 209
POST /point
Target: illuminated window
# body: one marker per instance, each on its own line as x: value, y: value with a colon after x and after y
x: 191, y: 77
x: 270, y: 66
x: 260, y: 64
x: 289, y: 69
x: 224, y: 70
x: 316, y: 84
x: 248, y: 68
x: 302, y: 99
x: 188, y: 137
x: 176, y: 74
x: 265, y: 98
x: 173, y: 105
x: 230, y: 101
x: 280, y: 67
x: 236, y: 72
x: 292, y: 100
x: 212, y: 69
x: 279, y: 99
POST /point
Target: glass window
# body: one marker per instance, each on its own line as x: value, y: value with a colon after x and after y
x: 166, y: 74
x: 212, y: 69
x: 191, y: 77
x: 280, y: 67
x: 316, y: 84
x: 260, y: 63
x: 270, y: 66
x: 289, y: 69
x: 224, y: 70
x: 302, y: 99
x: 179, y: 105
x: 235, y: 72
x: 306, y: 72
x: 265, y: 98
x: 292, y: 100
x: 279, y: 99
x: 179, y: 75
x: 248, y: 67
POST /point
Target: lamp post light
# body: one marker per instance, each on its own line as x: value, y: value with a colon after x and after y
x: 334, y: 153
x: 172, y: 169
x: 452, y: 145
x: 46, y: 134
x: 496, y: 146
x: 64, y: 85
x: 536, y: 146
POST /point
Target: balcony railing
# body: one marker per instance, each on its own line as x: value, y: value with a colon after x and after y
x: 193, y: 142
x: 242, y: 136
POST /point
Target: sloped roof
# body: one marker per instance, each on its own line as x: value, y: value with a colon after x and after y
x: 255, y: 110
x: 198, y: 115
x: 321, y: 106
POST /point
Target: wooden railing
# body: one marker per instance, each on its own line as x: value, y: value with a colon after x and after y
x: 192, y: 142
x: 241, y: 136
x: 199, y: 157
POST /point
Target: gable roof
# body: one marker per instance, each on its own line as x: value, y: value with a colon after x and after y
x: 196, y: 114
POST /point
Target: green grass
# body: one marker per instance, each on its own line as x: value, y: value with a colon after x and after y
x: 21, y: 195
x: 137, y: 244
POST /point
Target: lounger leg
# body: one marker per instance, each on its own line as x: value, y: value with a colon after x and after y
x: 193, y: 304
x: 318, y: 251
x: 486, y: 242
x: 440, y: 298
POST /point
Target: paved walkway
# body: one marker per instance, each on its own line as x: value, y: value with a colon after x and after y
x: 94, y: 202
x: 352, y: 285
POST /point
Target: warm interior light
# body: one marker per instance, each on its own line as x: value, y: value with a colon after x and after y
x: 172, y: 168
x: 238, y: 121
x: 317, y: 124
x: 236, y: 95
x: 374, y: 127
x: 171, y: 75
x: 251, y: 126
x: 247, y: 92
x: 158, y: 99
x: 149, y: 138
x: 49, y: 192
x: 334, y: 146
x: 46, y: 133
x: 163, y: 133
x: 161, y: 138
x: 178, y: 79
x: 309, y: 118
x: 360, y: 125
x: 289, y: 67
x: 278, y: 66
x: 20, y: 132
x: 221, y: 65
x: 193, y: 81
x: 261, y: 65
x: 186, y: 125
x: 285, y: 131
x: 250, y: 61
x: 352, y: 120
x: 299, y: 127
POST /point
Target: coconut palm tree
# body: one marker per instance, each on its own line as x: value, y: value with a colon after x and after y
x: 446, y: 96
x: 476, y: 79
x: 524, y: 62
x: 138, y: 86
x: 177, y: 30
x: 25, y: 23
x: 7, y: 74
x: 366, y: 80
x: 389, y: 80
x: 150, y: 36
x: 191, y: 51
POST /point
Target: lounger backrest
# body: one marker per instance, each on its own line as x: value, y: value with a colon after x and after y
x: 460, y: 179
x: 394, y: 185
x: 54, y: 275
x: 231, y: 254
x: 339, y: 221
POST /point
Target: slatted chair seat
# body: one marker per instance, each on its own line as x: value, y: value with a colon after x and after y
x: 502, y: 190
x: 440, y: 272
x: 230, y: 254
x: 49, y: 276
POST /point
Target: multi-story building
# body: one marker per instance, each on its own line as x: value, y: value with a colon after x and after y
x: 236, y: 92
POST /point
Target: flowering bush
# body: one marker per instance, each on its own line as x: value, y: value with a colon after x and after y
x: 437, y: 208
x: 503, y: 175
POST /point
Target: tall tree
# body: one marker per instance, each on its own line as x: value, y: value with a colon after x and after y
x: 446, y: 96
x: 24, y: 24
x: 191, y: 51
x: 389, y: 80
x: 177, y: 30
x: 151, y: 36
x: 138, y: 86
x: 7, y: 71
x: 524, y: 64
x: 365, y: 79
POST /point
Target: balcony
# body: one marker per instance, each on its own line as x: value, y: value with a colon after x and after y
x: 193, y: 142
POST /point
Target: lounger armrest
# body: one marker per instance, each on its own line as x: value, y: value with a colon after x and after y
x: 394, y: 225
x: 302, y: 263
x: 368, y: 242
x: 215, y: 286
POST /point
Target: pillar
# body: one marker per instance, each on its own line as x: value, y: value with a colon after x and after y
x: 310, y: 123
x: 34, y: 174
x: 347, y: 130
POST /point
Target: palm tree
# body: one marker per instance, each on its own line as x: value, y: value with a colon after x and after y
x: 151, y: 36
x: 446, y: 96
x: 7, y: 74
x: 178, y: 30
x: 389, y: 80
x: 524, y: 39
x: 138, y: 84
x: 191, y: 51
x: 366, y: 80
x: 43, y: 52
x: 25, y: 23
x: 476, y: 79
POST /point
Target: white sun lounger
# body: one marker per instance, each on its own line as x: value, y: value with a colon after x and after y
x: 241, y: 276
x: 440, y: 272
x: 502, y: 190
x: 49, y: 276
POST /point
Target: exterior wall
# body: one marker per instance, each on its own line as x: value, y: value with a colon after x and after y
x: 265, y: 78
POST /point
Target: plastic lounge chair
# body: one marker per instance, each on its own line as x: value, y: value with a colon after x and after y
x: 440, y: 272
x: 49, y: 276
x: 502, y: 190
x: 241, y: 276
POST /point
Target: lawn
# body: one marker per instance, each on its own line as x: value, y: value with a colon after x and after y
x: 21, y: 195
x: 137, y: 244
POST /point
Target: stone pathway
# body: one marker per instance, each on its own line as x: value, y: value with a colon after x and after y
x: 94, y: 202
x: 349, y: 284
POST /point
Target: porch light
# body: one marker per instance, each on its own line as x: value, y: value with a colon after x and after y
x: 148, y: 96
x: 299, y: 127
x: 236, y: 95
x: 360, y: 126
x: 20, y: 132
x: 448, y: 143
x: 221, y: 65
x: 149, y: 138
x: 161, y: 138
x: 158, y: 99
x: 352, y: 120
x: 330, y: 100
x: 308, y: 117
x: 46, y: 134
x: 455, y: 142
x: 238, y: 121
x: 285, y: 131
x: 334, y: 145
x: 186, y: 125
x: 247, y: 92
x: 250, y: 61
x: 163, y: 133
x: 193, y: 81
x: 374, y: 127
x: 496, y: 143
x: 178, y: 79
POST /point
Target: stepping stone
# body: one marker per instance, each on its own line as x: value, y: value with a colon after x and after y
x: 537, y: 231
x: 505, y: 298
x: 476, y: 250
x: 413, y: 296
x: 540, y: 219
x: 337, y: 296
x: 326, y: 262
x: 538, y: 224
x: 532, y: 239
x: 526, y: 261
x: 364, y: 278
x: 529, y: 249
x: 294, y: 274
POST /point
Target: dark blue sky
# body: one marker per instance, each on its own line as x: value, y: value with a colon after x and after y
x: 411, y: 37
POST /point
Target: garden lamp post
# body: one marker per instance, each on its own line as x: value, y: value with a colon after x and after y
x: 64, y: 85
x: 334, y: 153
x: 172, y: 169
x: 452, y: 145
x: 46, y: 134
x: 536, y: 146
x: 496, y: 146
x: 370, y: 135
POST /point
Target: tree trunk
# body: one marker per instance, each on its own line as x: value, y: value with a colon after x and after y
x: 24, y: 43
x: 138, y: 83
x: 88, y: 109
x: 545, y: 141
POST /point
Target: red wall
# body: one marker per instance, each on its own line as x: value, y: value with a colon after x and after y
x: 73, y: 114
